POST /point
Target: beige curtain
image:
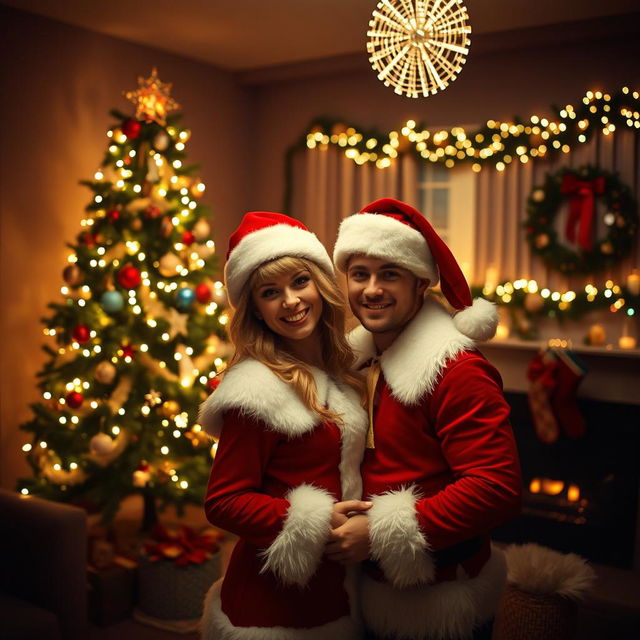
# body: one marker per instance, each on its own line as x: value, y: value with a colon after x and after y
x: 328, y: 186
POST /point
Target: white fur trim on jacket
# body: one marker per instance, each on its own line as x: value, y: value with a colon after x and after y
x: 215, y: 625
x: 295, y: 553
x: 267, y: 244
x: 413, y: 363
x: 380, y: 236
x: 447, y: 610
x: 397, y: 542
x: 252, y: 388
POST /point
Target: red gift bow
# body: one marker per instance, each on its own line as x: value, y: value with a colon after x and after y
x: 581, y: 207
x: 184, y: 546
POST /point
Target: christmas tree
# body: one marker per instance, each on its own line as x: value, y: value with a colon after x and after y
x: 139, y: 335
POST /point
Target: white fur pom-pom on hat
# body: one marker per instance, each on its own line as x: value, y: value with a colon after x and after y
x: 479, y: 321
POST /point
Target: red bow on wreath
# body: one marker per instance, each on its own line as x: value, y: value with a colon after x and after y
x: 581, y: 207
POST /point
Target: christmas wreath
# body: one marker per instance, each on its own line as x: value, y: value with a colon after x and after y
x: 583, y: 189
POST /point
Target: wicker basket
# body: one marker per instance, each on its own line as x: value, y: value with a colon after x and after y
x: 531, y: 616
x: 169, y: 592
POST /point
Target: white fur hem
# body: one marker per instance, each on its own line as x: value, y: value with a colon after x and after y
x: 396, y: 540
x: 447, y: 610
x: 383, y: 237
x: 215, y: 625
x: 295, y: 553
x: 268, y: 244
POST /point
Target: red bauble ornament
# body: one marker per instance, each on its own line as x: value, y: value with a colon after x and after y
x: 203, y: 293
x: 129, y: 277
x: 152, y: 211
x: 80, y: 333
x: 88, y: 239
x: 131, y: 128
x: 213, y: 383
x: 128, y: 350
x: 113, y: 215
x: 188, y: 238
x: 74, y: 399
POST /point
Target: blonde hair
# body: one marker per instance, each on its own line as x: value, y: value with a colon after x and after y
x: 253, y: 339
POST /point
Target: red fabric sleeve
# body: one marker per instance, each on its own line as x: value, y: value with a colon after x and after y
x: 235, y: 499
x: 471, y: 419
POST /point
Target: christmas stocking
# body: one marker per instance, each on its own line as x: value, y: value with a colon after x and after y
x: 570, y: 373
x: 542, y: 376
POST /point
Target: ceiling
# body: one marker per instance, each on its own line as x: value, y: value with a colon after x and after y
x: 252, y: 34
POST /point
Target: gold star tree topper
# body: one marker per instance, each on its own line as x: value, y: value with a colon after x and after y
x: 152, y: 99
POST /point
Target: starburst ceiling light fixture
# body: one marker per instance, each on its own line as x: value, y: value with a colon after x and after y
x: 418, y: 47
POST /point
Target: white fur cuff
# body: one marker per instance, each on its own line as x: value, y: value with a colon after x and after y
x: 396, y: 540
x: 295, y: 553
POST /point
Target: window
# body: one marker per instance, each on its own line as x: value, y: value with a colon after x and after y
x: 446, y: 198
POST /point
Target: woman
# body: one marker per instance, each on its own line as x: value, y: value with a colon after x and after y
x: 292, y: 431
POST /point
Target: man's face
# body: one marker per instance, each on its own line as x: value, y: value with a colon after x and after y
x: 383, y: 296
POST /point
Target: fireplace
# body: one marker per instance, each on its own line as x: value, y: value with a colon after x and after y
x: 580, y: 495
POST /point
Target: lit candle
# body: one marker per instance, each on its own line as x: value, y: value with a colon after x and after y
x: 633, y: 283
x: 502, y: 331
x: 627, y: 342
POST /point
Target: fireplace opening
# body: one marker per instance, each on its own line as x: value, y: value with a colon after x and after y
x: 580, y: 495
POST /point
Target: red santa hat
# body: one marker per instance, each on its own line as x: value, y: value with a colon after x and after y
x: 263, y: 236
x: 393, y: 230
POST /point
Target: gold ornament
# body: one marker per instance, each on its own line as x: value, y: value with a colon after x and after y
x: 538, y: 195
x: 105, y: 372
x: 153, y: 398
x: 198, y: 438
x: 169, y: 409
x: 606, y: 248
x: 152, y: 99
x: 596, y: 335
x: 542, y: 240
x: 533, y: 302
x: 418, y: 48
x: 169, y: 265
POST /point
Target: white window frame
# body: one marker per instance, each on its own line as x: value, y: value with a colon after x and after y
x: 460, y: 229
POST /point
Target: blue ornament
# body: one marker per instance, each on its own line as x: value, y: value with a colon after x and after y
x: 112, y: 301
x: 185, y: 297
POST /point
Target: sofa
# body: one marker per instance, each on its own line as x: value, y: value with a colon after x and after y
x: 43, y: 578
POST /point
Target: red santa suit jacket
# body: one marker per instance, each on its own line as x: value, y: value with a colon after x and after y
x: 443, y: 472
x: 277, y: 472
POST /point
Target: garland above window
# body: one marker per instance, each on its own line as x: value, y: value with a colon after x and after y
x: 496, y: 144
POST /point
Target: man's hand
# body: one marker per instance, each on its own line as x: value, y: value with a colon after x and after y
x: 341, y: 511
x: 349, y: 543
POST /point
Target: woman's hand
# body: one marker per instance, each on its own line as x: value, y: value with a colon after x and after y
x: 343, y: 510
x: 349, y: 543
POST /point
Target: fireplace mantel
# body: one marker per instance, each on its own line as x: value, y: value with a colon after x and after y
x: 613, y: 373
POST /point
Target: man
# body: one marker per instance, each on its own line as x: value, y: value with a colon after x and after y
x: 441, y: 465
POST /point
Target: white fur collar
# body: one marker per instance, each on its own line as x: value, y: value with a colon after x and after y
x: 412, y: 364
x: 252, y: 388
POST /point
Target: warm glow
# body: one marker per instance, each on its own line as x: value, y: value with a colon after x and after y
x: 573, y: 493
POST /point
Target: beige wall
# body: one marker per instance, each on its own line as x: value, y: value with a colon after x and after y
x: 58, y: 85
